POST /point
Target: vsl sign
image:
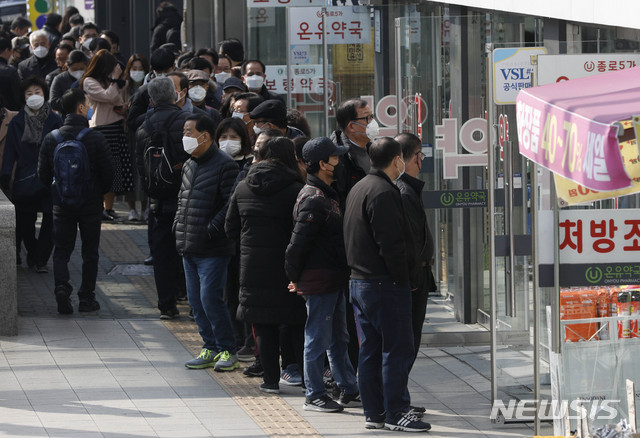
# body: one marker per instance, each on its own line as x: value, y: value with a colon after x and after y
x: 512, y: 71
x: 473, y: 138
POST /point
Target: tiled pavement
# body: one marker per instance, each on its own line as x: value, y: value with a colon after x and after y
x: 120, y: 373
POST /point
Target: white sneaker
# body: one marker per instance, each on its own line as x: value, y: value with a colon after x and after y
x: 133, y: 216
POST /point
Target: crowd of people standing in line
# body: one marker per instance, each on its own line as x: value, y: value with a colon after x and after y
x: 310, y: 257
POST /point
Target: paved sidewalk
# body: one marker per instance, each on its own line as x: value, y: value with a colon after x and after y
x: 120, y: 373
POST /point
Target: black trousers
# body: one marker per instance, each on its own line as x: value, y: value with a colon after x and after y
x: 38, y: 248
x: 65, y: 229
x: 268, y: 342
x: 167, y: 263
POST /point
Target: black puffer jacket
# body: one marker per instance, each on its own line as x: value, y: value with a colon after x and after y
x: 100, y: 162
x: 260, y: 217
x: 315, y: 257
x: 170, y: 118
x: 350, y: 173
x: 202, y: 200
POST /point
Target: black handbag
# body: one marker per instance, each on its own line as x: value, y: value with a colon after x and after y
x: 27, y: 187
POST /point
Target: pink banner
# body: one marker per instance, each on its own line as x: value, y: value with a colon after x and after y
x: 582, y: 150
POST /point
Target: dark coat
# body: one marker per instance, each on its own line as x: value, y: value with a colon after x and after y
x: 350, y: 173
x: 164, y: 117
x: 202, y: 205
x: 60, y: 84
x: 374, y: 230
x: 260, y: 217
x: 166, y: 30
x: 315, y: 257
x: 421, y: 237
x: 25, y: 156
x: 9, y: 86
x: 138, y: 107
x: 99, y: 153
x: 34, y: 66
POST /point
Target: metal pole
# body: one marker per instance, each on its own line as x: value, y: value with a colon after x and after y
x: 325, y: 73
x: 510, y: 299
x: 289, y: 83
x: 536, y: 291
x: 398, y: 73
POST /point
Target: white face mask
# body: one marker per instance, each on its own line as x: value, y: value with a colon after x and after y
x: 254, y: 82
x: 373, y: 130
x: 189, y: 144
x: 197, y: 93
x: 136, y: 76
x: 404, y: 167
x: 221, y: 77
x: 237, y: 115
x: 35, y: 102
x: 231, y: 147
x: 41, y: 51
x: 87, y: 43
x: 77, y: 74
x: 257, y: 130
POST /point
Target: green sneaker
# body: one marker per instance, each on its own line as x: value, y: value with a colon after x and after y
x: 226, y: 361
x: 205, y: 359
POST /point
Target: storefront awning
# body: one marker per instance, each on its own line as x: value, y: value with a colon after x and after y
x: 571, y: 127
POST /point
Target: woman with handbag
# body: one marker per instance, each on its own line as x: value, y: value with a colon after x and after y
x: 104, y: 84
x: 24, y: 137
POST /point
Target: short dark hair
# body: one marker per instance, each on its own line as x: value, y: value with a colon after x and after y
x: 410, y: 143
x: 296, y: 119
x: 251, y: 61
x: 20, y: 23
x: 88, y: 26
x: 165, y: 7
x: 204, y: 123
x: 383, y: 150
x: 240, y: 128
x: 299, y: 143
x: 5, y: 43
x: 184, y: 81
x: 162, y: 60
x: 197, y: 63
x: 71, y: 99
x: 31, y: 81
x: 183, y: 60
x: 348, y: 112
x: 66, y: 47
x: 208, y: 52
x: 98, y: 44
x: 115, y: 39
x: 280, y: 150
x: 253, y: 100
x: 232, y: 48
x: 76, y: 56
x: 76, y: 19
x: 53, y: 20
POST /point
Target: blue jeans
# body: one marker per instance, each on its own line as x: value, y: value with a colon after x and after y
x: 326, y: 331
x: 206, y: 277
x: 383, y: 309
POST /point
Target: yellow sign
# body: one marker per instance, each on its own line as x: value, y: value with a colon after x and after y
x: 571, y: 193
x: 38, y: 11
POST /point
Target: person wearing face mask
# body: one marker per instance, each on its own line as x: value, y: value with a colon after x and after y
x: 9, y: 77
x: 42, y: 62
x: 88, y: 217
x: 88, y: 32
x: 253, y: 76
x: 316, y: 265
x: 421, y: 242
x: 198, y: 92
x: 207, y: 180
x: 376, y: 236
x: 243, y: 104
x: 24, y: 137
x: 19, y: 51
x: 76, y: 66
x: 166, y: 119
x: 272, y: 114
x: 136, y: 70
x: 62, y: 54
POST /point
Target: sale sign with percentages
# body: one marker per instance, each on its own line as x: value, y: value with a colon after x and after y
x: 571, y: 127
x: 345, y: 25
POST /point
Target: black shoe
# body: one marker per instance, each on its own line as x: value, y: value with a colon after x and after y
x: 42, y: 270
x: 182, y: 296
x: 322, y: 404
x: 350, y: 400
x: 374, y: 422
x: 106, y: 217
x: 191, y: 314
x: 64, y: 303
x: 113, y: 214
x: 88, y: 306
x: 270, y: 388
x: 418, y: 411
x: 169, y: 314
x: 148, y: 261
x: 407, y: 423
x: 254, y: 370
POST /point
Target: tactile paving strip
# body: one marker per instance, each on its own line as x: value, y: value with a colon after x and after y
x: 272, y: 413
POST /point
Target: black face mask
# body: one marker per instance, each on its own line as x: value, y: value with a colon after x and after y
x: 337, y: 169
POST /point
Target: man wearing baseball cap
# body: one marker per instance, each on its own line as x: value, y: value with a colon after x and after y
x: 272, y: 114
x: 316, y: 265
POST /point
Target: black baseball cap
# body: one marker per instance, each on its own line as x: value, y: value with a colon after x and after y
x: 234, y: 82
x: 320, y: 149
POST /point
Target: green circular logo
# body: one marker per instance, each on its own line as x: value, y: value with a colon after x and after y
x: 446, y: 199
x: 593, y: 275
x: 42, y: 6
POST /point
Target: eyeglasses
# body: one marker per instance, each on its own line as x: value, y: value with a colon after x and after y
x: 368, y: 118
x: 421, y: 155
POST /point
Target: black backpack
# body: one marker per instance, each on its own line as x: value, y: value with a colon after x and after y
x: 161, y: 180
x: 72, y: 182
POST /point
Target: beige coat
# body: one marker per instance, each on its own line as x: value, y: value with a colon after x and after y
x: 103, y: 100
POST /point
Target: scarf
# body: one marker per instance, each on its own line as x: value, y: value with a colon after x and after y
x: 34, y: 124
